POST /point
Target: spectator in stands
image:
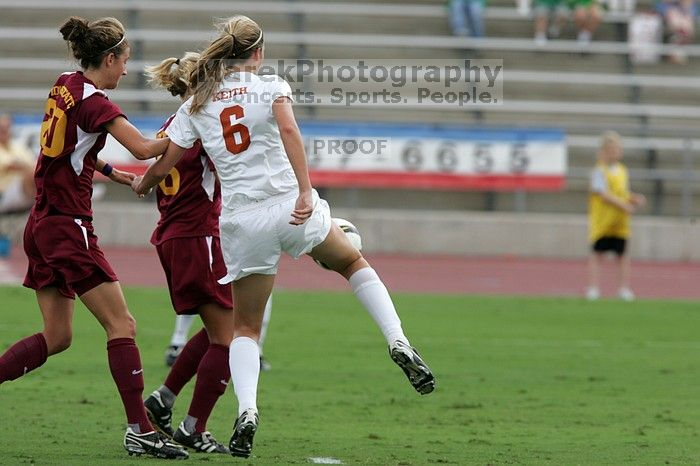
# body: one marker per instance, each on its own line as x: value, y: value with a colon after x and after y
x: 467, y: 17
x: 543, y: 10
x: 17, y: 189
x: 609, y: 209
x: 587, y: 16
x: 679, y: 21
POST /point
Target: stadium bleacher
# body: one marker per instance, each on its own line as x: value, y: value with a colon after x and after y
x: 655, y: 107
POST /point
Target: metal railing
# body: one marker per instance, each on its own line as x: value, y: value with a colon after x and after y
x: 349, y: 40
x: 518, y: 76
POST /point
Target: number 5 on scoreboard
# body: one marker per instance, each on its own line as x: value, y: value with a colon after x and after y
x: 236, y: 136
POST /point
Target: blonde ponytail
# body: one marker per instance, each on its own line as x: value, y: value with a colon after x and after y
x: 172, y: 74
x: 240, y: 37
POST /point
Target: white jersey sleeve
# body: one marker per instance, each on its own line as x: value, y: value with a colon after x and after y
x: 181, y: 131
x: 598, y: 182
x: 278, y: 87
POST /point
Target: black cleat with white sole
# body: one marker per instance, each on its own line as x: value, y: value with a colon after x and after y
x: 241, y: 443
x: 417, y: 371
x: 153, y: 444
x: 159, y: 414
x: 201, y: 442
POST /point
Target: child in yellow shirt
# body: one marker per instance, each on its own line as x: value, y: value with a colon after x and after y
x: 610, y: 205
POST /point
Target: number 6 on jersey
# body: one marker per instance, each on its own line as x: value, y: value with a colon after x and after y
x: 230, y: 130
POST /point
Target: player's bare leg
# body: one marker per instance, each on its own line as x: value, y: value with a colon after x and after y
x: 212, y: 379
x: 339, y: 255
x: 625, y: 292
x: 593, y: 291
x: 250, y: 294
x: 107, y: 304
x: 57, y: 312
x: 31, y: 352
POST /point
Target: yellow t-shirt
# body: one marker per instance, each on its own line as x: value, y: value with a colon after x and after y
x: 605, y: 219
x: 14, y: 153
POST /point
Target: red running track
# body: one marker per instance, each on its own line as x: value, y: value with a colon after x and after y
x: 430, y: 274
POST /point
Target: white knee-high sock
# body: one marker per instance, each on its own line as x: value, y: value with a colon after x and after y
x: 265, y: 323
x: 244, y: 361
x: 183, y: 324
x: 374, y: 296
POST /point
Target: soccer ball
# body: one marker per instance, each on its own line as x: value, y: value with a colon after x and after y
x: 351, y: 232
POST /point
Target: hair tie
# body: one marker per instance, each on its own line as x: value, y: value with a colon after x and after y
x: 233, y: 45
x: 115, y: 45
x: 257, y: 41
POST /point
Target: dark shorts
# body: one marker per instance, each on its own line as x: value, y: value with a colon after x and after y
x: 611, y: 243
x: 63, y: 253
x: 192, y: 267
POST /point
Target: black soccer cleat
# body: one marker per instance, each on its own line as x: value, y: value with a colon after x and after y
x: 171, y: 354
x: 159, y: 414
x: 417, y: 371
x: 153, y: 444
x: 241, y: 443
x: 201, y: 442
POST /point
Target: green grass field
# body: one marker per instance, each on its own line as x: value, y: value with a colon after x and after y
x: 520, y: 381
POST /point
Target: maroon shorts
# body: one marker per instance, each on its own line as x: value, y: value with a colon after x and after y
x: 192, y: 267
x: 63, y: 253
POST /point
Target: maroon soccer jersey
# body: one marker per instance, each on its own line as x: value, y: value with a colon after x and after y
x: 189, y: 198
x: 72, y: 133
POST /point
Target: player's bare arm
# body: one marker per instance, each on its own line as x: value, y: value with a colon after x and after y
x: 159, y: 170
x: 620, y: 203
x: 294, y: 147
x: 116, y: 175
x: 140, y: 146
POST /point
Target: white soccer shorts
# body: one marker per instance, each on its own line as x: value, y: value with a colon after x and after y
x: 254, y: 237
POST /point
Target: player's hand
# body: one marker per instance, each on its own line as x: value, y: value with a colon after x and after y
x: 302, y: 208
x: 122, y: 177
x: 629, y: 207
x: 638, y: 200
x: 136, y: 186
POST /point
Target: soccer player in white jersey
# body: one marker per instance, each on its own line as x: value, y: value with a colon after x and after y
x: 247, y: 126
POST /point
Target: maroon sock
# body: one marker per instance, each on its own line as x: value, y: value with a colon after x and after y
x: 22, y: 357
x: 125, y: 365
x: 212, y: 376
x: 186, y: 364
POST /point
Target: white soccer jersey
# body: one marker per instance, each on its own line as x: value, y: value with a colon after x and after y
x: 239, y: 132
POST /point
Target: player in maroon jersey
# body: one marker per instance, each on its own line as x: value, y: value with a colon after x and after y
x: 64, y: 258
x: 187, y: 240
